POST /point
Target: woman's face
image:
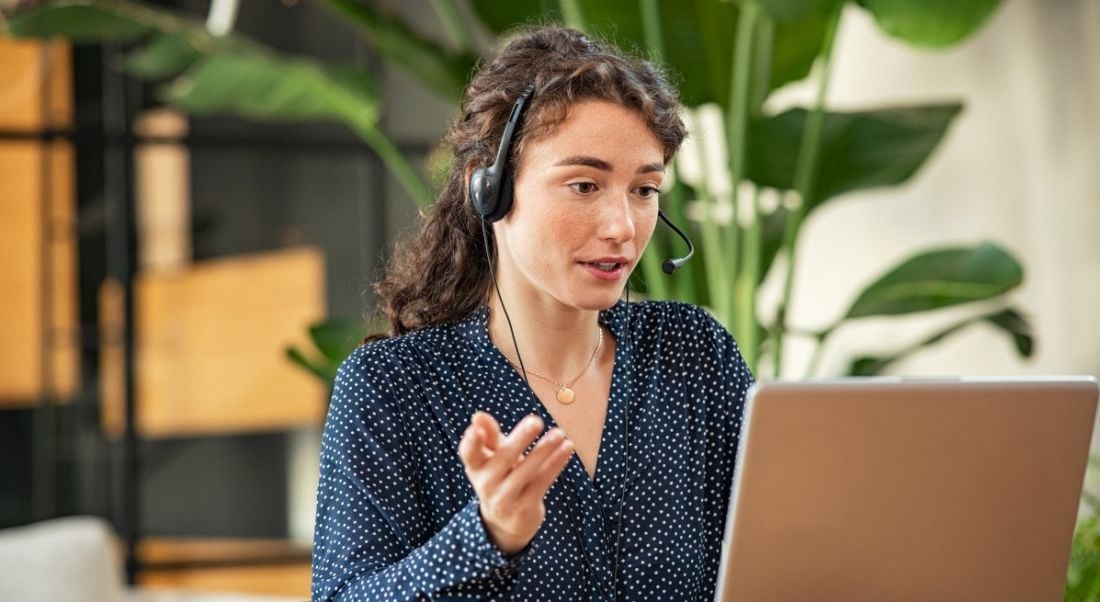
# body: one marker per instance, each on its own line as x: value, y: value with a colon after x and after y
x: 585, y: 207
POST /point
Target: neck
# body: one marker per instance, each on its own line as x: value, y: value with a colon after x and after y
x: 554, y: 340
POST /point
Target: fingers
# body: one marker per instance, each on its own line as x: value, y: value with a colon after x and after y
x: 543, y: 476
x: 497, y: 463
x: 511, y: 448
x: 545, y: 456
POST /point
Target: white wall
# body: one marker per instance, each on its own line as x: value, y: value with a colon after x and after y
x: 1020, y: 166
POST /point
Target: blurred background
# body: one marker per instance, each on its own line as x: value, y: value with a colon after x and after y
x: 196, y: 196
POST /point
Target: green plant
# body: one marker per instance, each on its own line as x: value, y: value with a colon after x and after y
x: 728, y: 54
x: 1083, y: 577
x: 333, y: 340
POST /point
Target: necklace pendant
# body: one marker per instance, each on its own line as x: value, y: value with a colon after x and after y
x: 566, y: 395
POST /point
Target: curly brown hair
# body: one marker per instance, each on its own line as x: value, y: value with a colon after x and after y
x: 442, y: 273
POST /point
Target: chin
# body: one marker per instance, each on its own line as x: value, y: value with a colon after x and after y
x: 597, y: 300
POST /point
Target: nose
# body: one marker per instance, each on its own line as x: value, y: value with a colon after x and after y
x: 617, y: 219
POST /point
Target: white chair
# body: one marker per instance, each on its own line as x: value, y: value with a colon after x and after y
x: 77, y: 558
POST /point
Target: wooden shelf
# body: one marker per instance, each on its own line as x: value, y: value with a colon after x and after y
x: 209, y: 345
x: 248, y: 566
x: 38, y: 282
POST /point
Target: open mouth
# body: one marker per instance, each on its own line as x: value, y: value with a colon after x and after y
x: 604, y: 267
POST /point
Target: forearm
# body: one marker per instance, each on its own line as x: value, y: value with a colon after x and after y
x: 458, y: 558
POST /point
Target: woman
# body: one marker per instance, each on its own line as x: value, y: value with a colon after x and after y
x: 439, y: 476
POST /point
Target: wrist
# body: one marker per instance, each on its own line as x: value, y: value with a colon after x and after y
x: 507, y: 544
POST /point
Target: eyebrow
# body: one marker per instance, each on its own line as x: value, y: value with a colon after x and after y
x: 604, y: 165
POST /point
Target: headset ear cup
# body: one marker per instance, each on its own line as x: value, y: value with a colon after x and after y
x: 482, y: 192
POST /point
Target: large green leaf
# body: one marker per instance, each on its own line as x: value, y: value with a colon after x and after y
x: 771, y: 236
x: 938, y: 279
x: 932, y: 23
x: 859, y: 150
x: 419, y: 55
x: 699, y: 41
x: 797, y: 38
x: 1011, y: 321
x: 1016, y: 325
x: 501, y: 15
x: 698, y: 37
x: 319, y: 368
x: 165, y: 56
x: 795, y: 46
x: 88, y: 22
x: 335, y: 339
x: 261, y: 86
x: 697, y: 34
x: 798, y: 34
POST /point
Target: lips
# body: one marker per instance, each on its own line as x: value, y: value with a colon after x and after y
x: 606, y: 268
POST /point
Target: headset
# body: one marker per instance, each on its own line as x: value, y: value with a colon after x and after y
x: 491, y: 187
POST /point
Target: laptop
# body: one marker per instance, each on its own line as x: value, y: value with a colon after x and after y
x: 898, y: 490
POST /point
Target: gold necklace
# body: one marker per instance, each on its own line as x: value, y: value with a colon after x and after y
x: 565, y: 392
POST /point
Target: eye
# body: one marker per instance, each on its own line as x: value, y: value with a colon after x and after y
x: 583, y: 187
x: 648, y: 192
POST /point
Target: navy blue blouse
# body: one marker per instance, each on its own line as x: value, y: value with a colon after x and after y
x: 398, y: 520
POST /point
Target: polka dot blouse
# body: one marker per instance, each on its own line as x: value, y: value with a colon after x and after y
x: 398, y: 520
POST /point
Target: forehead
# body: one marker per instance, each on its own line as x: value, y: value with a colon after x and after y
x: 598, y: 128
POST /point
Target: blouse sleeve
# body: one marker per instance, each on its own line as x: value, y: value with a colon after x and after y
x: 369, y: 503
x: 735, y: 376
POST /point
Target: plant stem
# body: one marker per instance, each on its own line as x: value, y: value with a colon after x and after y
x: 656, y: 281
x: 651, y: 28
x: 717, y: 279
x: 453, y: 26
x: 747, y: 277
x: 752, y: 62
x: 804, y: 178
x: 398, y: 165
x: 736, y: 126
x: 572, y: 15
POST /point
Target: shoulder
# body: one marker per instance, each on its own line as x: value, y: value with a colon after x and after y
x: 396, y: 359
x: 680, y: 330
x: 673, y: 321
x: 397, y: 353
x: 385, y: 379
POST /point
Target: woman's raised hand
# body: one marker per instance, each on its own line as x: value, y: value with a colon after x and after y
x: 510, y: 485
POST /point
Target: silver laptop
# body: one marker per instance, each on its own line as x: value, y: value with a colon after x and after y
x: 886, y: 489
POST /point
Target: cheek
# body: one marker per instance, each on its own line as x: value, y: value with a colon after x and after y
x: 543, y: 227
x: 645, y: 224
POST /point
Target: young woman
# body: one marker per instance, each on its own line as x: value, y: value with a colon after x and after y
x: 522, y: 433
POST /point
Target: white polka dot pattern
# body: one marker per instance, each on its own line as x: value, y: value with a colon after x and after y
x: 398, y: 520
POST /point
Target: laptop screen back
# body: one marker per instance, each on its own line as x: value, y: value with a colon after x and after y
x: 876, y: 489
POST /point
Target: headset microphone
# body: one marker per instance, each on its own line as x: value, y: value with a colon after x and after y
x: 671, y: 265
